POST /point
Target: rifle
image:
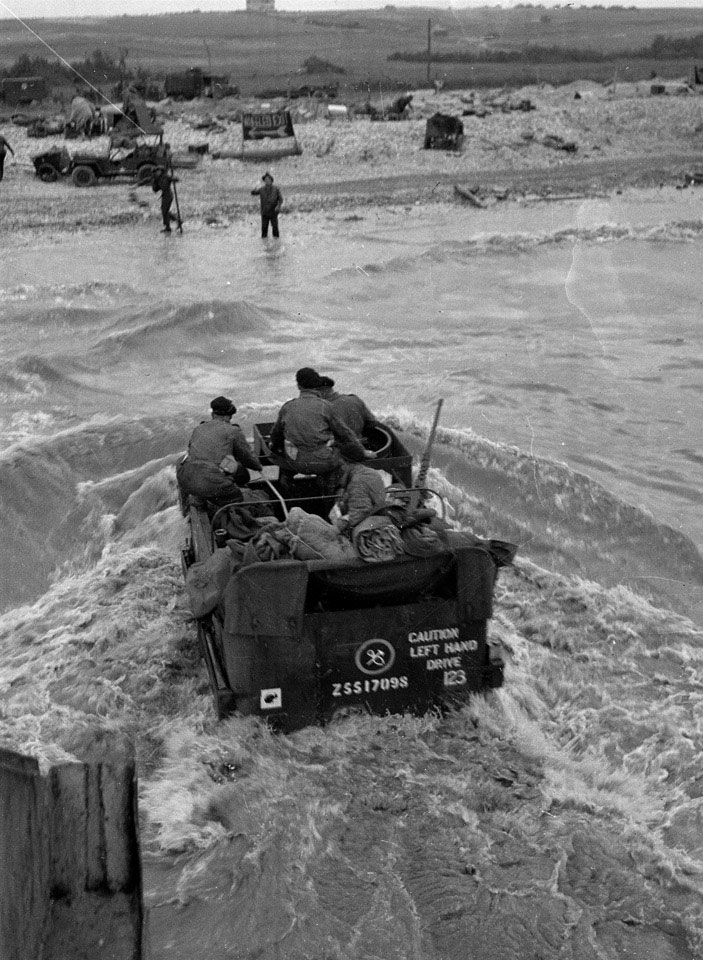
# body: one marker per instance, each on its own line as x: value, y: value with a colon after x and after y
x: 425, y: 460
x: 417, y: 496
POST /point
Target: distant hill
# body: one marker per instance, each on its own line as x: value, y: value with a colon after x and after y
x: 257, y: 51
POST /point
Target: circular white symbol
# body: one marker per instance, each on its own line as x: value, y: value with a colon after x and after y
x: 374, y: 657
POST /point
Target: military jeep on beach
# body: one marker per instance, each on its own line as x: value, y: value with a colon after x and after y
x: 297, y: 640
x: 126, y: 158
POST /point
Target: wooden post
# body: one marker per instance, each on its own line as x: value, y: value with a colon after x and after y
x: 70, y: 874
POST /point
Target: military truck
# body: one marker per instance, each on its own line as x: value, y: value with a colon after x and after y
x: 297, y: 641
x: 23, y: 89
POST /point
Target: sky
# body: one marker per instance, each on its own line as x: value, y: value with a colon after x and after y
x: 109, y: 8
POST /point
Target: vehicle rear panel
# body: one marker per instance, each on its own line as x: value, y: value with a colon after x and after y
x: 302, y: 640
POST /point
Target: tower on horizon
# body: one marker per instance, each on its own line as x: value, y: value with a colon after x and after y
x: 261, y: 6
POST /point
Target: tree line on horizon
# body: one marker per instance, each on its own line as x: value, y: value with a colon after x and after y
x: 97, y: 67
x: 661, y: 48
x: 100, y: 67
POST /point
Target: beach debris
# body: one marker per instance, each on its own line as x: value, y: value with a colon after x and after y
x: 207, y: 123
x: 559, y: 143
x: 507, y: 106
x: 553, y: 141
x: 271, y: 125
x: 695, y: 177
x: 562, y: 197
x: 337, y: 111
x: 470, y: 195
x: 444, y: 132
x: 482, y: 197
x: 192, y: 83
x: 235, y: 154
x: 399, y: 109
x: 671, y: 88
x: 402, y: 105
x: 42, y: 127
x: 320, y: 91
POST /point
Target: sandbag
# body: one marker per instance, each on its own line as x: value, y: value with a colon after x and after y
x: 206, y: 582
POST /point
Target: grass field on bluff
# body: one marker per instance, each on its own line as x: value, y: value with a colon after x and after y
x: 255, y: 51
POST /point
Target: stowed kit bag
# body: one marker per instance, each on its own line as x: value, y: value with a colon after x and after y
x: 316, y: 539
x: 377, y: 539
x: 206, y: 582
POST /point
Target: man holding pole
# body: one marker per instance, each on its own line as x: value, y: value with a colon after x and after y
x: 4, y: 147
x: 165, y: 184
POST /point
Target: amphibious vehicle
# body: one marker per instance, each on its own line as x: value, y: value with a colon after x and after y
x: 296, y: 641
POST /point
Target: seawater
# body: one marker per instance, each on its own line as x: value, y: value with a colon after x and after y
x: 571, y: 330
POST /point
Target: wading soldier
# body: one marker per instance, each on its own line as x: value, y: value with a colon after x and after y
x: 4, y: 147
x: 162, y: 184
x: 271, y: 203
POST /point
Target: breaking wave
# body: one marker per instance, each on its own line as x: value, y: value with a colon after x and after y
x: 57, y: 491
x: 112, y: 337
x: 684, y: 231
x: 681, y: 232
x: 192, y: 325
x: 99, y: 291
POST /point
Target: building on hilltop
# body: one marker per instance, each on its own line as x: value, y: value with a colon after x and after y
x: 261, y: 6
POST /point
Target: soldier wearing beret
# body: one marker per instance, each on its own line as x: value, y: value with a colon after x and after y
x: 215, y: 467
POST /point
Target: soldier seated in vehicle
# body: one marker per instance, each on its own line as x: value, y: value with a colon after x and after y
x: 215, y: 466
x: 361, y: 493
x: 349, y: 408
x: 309, y: 438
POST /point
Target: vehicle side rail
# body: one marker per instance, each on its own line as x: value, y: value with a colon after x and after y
x: 225, y: 700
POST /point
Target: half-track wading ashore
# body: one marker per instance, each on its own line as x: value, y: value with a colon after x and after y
x: 298, y: 641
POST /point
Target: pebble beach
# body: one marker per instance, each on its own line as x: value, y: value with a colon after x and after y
x: 581, y: 139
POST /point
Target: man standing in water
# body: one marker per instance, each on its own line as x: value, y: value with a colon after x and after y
x: 271, y: 203
x: 4, y: 147
x: 162, y: 184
